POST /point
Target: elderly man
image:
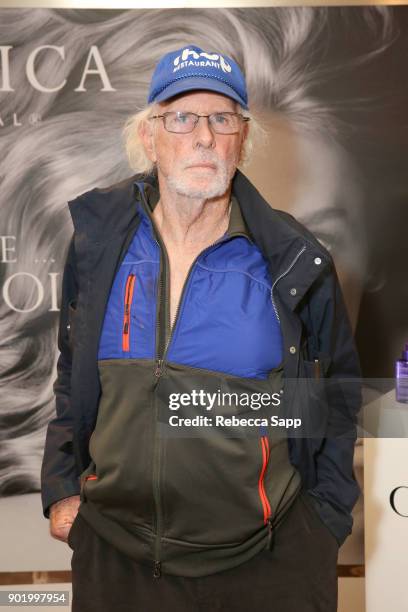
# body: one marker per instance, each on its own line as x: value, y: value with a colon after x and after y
x: 180, y: 283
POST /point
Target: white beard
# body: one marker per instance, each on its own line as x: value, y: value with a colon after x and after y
x: 182, y: 182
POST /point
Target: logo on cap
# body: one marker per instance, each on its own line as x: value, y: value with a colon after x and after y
x: 212, y: 60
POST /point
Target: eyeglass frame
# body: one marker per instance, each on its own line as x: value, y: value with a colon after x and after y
x: 164, y: 115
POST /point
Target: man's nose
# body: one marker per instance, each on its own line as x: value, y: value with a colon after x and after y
x: 203, y: 134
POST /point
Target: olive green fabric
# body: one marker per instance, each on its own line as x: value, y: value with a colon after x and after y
x: 191, y: 498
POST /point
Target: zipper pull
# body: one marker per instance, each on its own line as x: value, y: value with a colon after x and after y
x: 159, y: 368
x: 271, y: 534
x: 157, y: 569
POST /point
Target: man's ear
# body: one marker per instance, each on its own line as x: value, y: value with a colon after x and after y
x: 146, y: 134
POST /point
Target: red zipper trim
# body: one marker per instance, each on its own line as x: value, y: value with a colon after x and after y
x: 91, y: 477
x: 130, y: 283
x: 265, y: 458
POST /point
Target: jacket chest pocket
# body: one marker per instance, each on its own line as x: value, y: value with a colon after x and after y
x: 127, y: 310
x: 315, y: 368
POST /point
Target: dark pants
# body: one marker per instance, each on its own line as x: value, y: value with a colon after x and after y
x: 298, y: 575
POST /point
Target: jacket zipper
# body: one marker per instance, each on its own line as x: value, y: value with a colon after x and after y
x: 163, y: 330
x: 302, y: 250
x: 130, y: 283
x: 262, y: 494
x: 269, y: 519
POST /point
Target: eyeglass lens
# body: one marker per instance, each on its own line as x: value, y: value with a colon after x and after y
x: 221, y: 123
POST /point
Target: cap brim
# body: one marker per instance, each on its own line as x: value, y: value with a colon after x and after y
x: 193, y: 83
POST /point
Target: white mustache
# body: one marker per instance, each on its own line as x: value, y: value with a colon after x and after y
x: 203, y: 160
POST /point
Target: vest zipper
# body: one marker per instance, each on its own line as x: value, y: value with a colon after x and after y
x: 130, y: 283
x: 159, y: 368
x: 157, y: 569
x: 302, y: 250
x: 157, y: 498
x: 160, y: 361
x: 164, y: 333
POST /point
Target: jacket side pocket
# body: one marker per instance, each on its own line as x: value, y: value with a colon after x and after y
x: 88, y: 474
x: 311, y: 504
x: 71, y: 531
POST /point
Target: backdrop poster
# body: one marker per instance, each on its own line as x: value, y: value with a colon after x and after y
x: 330, y: 88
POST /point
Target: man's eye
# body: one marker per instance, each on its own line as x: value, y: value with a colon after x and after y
x: 221, y: 118
x: 183, y: 117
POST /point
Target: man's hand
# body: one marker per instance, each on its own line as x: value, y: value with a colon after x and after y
x: 62, y: 515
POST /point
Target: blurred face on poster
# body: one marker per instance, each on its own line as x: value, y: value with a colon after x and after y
x: 312, y: 178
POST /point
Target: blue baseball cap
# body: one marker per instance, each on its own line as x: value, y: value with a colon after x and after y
x: 191, y: 68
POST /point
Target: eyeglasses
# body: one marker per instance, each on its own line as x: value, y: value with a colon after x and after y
x: 180, y: 122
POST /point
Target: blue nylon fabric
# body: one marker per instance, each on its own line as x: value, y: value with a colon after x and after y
x: 226, y: 321
x: 143, y: 260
